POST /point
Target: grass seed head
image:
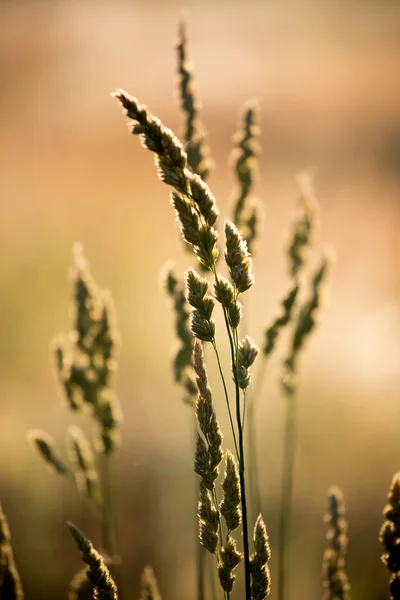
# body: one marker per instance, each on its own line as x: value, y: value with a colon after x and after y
x: 44, y: 444
x: 335, y: 581
x: 229, y: 560
x: 194, y: 136
x: 230, y: 505
x: 97, y: 572
x: 389, y: 536
x: 148, y: 585
x: 260, y: 575
x: 238, y: 258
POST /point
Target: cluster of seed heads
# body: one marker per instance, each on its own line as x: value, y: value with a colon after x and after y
x: 335, y: 581
x: 390, y: 537
x: 86, y: 358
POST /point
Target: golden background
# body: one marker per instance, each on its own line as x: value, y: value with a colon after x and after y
x: 326, y: 75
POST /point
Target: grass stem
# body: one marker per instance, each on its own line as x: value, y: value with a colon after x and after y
x: 289, y: 445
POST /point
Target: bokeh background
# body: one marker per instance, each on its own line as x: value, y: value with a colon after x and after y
x: 326, y: 74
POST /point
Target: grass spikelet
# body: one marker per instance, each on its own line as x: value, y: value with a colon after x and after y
x: 260, y: 575
x: 44, y: 444
x: 194, y: 204
x: 238, y: 258
x: 230, y: 505
x: 247, y: 354
x: 335, y: 582
x: 98, y: 573
x: 208, y: 520
x: 201, y: 323
x: 272, y: 332
x: 207, y: 420
x: 81, y: 454
x: 86, y: 359
x: 389, y: 536
x: 229, y: 560
x: 182, y: 355
x: 148, y: 585
x: 10, y: 582
x: 303, y: 225
x: 194, y: 136
x: 246, y: 209
x: 307, y: 319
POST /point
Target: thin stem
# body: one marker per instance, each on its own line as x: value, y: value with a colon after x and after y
x: 221, y: 540
x: 244, y: 407
x: 286, y: 494
x: 106, y: 508
x: 201, y: 557
x: 226, y: 396
x: 212, y: 579
x: 200, y: 550
x: 241, y: 467
x: 243, y: 496
x: 252, y: 401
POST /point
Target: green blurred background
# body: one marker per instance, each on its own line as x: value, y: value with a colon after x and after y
x: 326, y: 74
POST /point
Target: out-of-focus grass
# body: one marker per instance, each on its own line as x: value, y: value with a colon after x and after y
x: 325, y: 77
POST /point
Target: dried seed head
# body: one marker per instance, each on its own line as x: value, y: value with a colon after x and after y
x: 303, y: 225
x: 193, y: 201
x: 230, y: 504
x: 194, y: 137
x: 238, y: 258
x: 235, y: 314
x: 202, y: 328
x: 188, y: 219
x: 229, y: 560
x: 44, y: 444
x: 224, y: 292
x: 389, y: 536
x: 202, y: 463
x: 248, y: 352
x: 260, y: 575
x: 98, y: 573
x: 204, y: 199
x: 148, y: 585
x: 200, y: 369
x: 208, y: 520
x: 272, y: 332
x: 196, y: 288
x: 261, y: 545
x: 244, y: 158
x: 307, y: 319
x: 206, y: 419
x: 335, y: 582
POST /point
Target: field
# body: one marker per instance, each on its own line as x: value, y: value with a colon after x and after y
x: 325, y: 76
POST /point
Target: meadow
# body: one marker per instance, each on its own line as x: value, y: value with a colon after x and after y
x: 81, y: 182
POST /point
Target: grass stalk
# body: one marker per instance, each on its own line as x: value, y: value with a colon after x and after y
x: 107, y: 521
x: 289, y: 448
x: 241, y: 460
x: 226, y: 398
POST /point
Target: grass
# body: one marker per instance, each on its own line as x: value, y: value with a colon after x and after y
x: 231, y: 528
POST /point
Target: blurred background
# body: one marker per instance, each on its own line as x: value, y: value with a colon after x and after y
x: 326, y: 75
